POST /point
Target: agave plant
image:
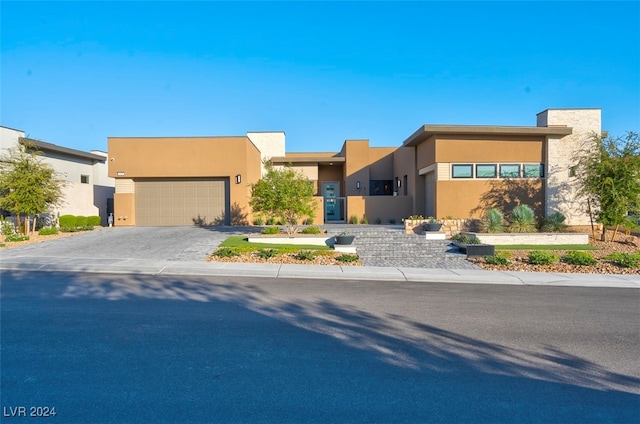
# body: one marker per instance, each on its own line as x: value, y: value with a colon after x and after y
x: 554, y: 223
x: 522, y: 220
x: 492, y: 222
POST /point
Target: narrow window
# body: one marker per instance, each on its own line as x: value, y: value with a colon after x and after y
x: 84, y: 179
x: 486, y: 171
x: 509, y: 171
x: 462, y: 171
x: 404, y: 184
x: 533, y: 170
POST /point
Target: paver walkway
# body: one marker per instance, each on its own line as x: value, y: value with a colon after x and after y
x: 390, y: 246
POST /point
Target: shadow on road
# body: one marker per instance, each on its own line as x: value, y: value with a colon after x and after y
x: 166, y: 349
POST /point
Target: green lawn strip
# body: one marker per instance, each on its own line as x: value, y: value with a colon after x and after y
x: 545, y: 247
x: 242, y: 243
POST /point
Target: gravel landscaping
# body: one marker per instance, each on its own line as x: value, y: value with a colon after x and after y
x: 519, y: 260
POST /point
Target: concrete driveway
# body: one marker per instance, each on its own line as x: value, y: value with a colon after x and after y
x: 149, y: 243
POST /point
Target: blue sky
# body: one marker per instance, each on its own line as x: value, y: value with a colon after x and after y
x: 75, y: 73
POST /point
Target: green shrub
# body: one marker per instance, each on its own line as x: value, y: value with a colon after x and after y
x: 378, y: 221
x: 82, y: 221
x: 7, y: 227
x: 2, y: 245
x: 500, y: 258
x: 463, y: 238
x: 93, y: 220
x: 543, y: 257
x: 76, y: 229
x: 267, y: 253
x: 305, y: 255
x: 308, y: 221
x: 364, y: 220
x: 16, y: 237
x: 353, y: 219
x: 271, y: 221
x: 625, y: 260
x: 226, y: 252
x: 68, y: 221
x: 492, y: 222
x: 259, y: 221
x: 522, y: 220
x: 347, y: 258
x: 392, y: 221
x: 554, y: 223
x: 271, y: 230
x: 311, y: 230
x: 576, y: 257
x: 48, y: 231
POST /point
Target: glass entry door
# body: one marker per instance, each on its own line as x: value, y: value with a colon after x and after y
x: 333, y: 203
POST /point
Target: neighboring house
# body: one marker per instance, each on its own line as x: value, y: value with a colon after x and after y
x: 443, y: 171
x: 88, y: 189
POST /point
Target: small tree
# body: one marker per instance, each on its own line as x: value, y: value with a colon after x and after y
x: 28, y: 186
x: 609, y: 179
x: 285, y: 194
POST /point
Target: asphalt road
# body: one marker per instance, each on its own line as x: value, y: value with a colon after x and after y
x: 141, y: 348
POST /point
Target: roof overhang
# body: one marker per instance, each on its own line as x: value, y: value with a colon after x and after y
x: 427, y: 131
x: 49, y: 147
x: 320, y: 160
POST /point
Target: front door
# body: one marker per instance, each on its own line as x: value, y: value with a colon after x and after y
x: 332, y: 201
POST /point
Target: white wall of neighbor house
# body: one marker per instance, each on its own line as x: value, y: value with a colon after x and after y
x: 561, y: 156
x: 9, y: 138
x: 87, y: 185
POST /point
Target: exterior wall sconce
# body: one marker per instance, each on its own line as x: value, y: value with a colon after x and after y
x: 357, y: 185
x: 398, y: 182
x: 238, y: 179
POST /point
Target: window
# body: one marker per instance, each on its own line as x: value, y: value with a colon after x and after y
x: 84, y: 179
x: 533, y: 170
x: 462, y: 171
x: 486, y: 171
x: 510, y: 171
x: 404, y: 185
x: 381, y: 188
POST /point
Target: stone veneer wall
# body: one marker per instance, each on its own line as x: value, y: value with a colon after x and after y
x: 450, y: 227
x: 561, y: 155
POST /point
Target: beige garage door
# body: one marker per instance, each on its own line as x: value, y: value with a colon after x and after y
x: 183, y: 201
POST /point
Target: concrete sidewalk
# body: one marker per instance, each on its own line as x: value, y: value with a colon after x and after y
x: 189, y: 267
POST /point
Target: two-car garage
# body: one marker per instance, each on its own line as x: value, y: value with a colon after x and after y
x: 181, y: 201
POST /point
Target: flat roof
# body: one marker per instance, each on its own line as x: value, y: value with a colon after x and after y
x: 44, y: 146
x: 308, y: 159
x: 426, y: 131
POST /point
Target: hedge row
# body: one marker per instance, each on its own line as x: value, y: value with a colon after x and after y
x: 72, y: 221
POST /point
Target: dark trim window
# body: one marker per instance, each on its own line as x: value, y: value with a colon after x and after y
x: 381, y: 188
x: 84, y: 179
x: 462, y: 171
x: 486, y: 171
x: 533, y: 170
x: 404, y: 185
x: 510, y: 170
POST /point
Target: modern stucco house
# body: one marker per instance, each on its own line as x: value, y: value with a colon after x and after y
x: 88, y: 189
x: 440, y: 170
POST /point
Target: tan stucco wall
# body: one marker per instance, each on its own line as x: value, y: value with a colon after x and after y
x: 471, y: 198
x: 404, y: 164
x: 356, y: 167
x: 181, y: 157
x: 476, y: 149
x: 125, y: 209
x: 383, y: 207
x: 426, y: 153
